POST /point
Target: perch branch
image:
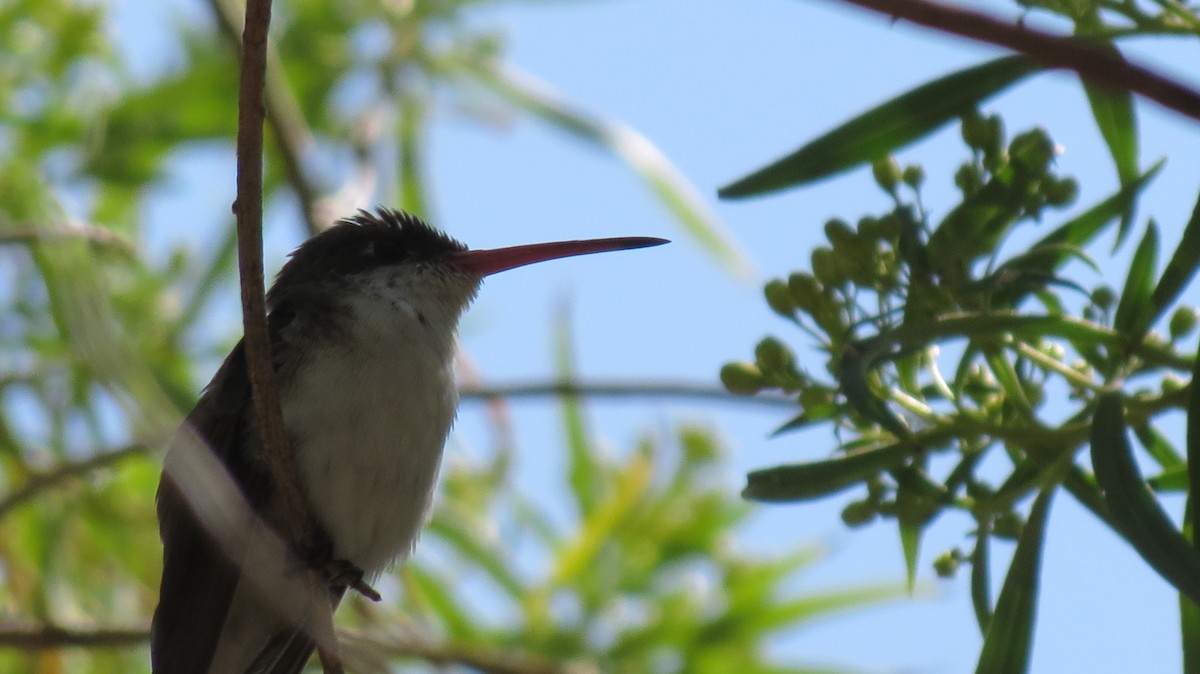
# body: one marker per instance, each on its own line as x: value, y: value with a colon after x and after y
x: 1092, y: 61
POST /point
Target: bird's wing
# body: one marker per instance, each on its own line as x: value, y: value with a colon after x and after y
x: 199, y: 580
x: 209, y: 618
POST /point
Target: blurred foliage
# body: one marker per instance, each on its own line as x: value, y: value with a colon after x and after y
x: 967, y: 362
x: 99, y: 343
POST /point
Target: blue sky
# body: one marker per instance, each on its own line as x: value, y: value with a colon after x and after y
x: 722, y: 88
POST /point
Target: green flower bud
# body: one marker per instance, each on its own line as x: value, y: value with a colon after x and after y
x: 867, y: 228
x: 975, y: 130
x: 946, y: 565
x: 887, y: 173
x: 1009, y: 525
x: 888, y: 227
x: 779, y: 298
x: 1061, y: 192
x: 994, y: 140
x: 742, y: 378
x: 774, y: 357
x: 840, y: 234
x: 805, y: 290
x: 1031, y: 152
x: 858, y: 513
x: 813, y: 396
x: 825, y: 267
x: 914, y: 175
x: 1183, y: 321
x: 1104, y: 297
x: 968, y: 179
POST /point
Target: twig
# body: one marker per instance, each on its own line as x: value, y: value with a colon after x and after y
x: 38, y: 636
x: 43, y: 481
x: 1093, y: 61
x: 484, y: 660
x: 248, y: 209
x: 297, y: 524
x: 291, y: 134
x: 700, y: 392
x: 100, y: 236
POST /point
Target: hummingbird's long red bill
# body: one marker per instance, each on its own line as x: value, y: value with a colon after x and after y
x: 485, y: 262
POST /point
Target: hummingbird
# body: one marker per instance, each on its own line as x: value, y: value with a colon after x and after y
x: 362, y: 321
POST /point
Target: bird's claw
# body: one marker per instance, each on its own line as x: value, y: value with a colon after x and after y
x: 342, y: 573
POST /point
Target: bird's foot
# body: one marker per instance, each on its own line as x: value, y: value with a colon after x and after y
x: 342, y: 573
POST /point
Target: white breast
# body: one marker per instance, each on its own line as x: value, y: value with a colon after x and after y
x: 370, y: 419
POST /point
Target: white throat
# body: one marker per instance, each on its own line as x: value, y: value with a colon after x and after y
x: 370, y: 412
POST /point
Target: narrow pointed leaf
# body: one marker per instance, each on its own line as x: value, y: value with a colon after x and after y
x: 1189, y: 612
x: 1134, y: 310
x: 581, y: 470
x: 413, y: 132
x: 1009, y: 638
x: 882, y: 130
x: 910, y: 544
x: 1114, y: 115
x: 805, y: 481
x: 1158, y: 446
x: 1135, y: 512
x: 1180, y: 270
x: 1193, y: 458
x: 981, y: 579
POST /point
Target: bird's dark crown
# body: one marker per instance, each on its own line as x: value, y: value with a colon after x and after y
x: 363, y: 242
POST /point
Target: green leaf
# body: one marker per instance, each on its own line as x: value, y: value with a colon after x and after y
x: 476, y: 547
x: 804, y: 481
x: 1180, y: 270
x: 981, y: 579
x: 1174, y: 478
x: 1114, y: 115
x: 663, y: 177
x: 1009, y: 638
x: 1134, y: 310
x: 910, y: 544
x: 1116, y: 118
x: 432, y: 592
x: 1193, y: 458
x: 811, y: 415
x: 581, y: 471
x: 413, y: 132
x: 1135, y: 512
x: 1189, y: 612
x: 883, y: 129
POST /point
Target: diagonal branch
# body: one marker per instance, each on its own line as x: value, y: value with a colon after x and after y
x: 1093, y: 61
x: 38, y: 636
x: 46, y: 480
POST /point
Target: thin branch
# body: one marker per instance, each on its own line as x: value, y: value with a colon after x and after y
x: 37, y: 636
x: 1095, y: 62
x: 291, y: 134
x: 673, y: 390
x: 485, y: 660
x: 42, y: 481
x: 24, y: 234
x: 248, y: 209
x: 298, y: 521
